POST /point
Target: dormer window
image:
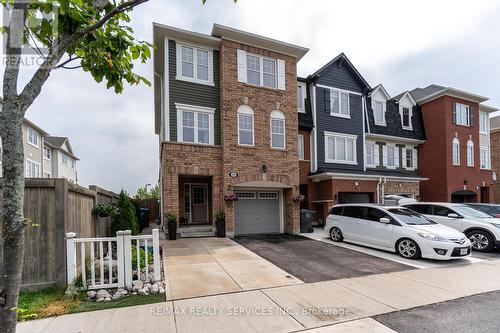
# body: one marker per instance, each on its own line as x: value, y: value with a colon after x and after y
x: 406, y: 118
x: 406, y: 104
x: 379, y: 98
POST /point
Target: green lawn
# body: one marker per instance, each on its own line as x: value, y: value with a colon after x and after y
x: 51, y: 302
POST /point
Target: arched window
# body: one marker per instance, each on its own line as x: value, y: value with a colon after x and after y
x: 470, y: 153
x: 456, y: 151
x: 245, y: 126
x: 277, y: 130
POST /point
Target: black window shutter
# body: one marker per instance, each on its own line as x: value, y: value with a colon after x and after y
x: 471, y: 116
x: 327, y: 100
x: 454, y: 110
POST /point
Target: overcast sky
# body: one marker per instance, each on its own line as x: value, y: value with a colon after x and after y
x: 401, y: 44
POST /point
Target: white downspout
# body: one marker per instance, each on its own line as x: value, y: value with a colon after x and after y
x: 383, y: 190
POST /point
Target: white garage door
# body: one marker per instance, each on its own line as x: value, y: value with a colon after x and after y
x: 257, y: 212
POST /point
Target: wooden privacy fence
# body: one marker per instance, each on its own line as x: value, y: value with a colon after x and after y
x: 54, y: 207
x: 103, y: 270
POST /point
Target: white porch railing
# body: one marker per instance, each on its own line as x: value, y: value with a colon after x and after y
x: 107, y: 261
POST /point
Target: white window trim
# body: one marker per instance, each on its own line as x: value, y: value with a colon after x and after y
x: 340, y: 114
x: 301, y: 108
x: 196, y: 110
x: 194, y: 79
x: 384, y: 110
x: 343, y: 136
x: 460, y: 117
x: 410, y: 108
x: 470, y: 158
x: 414, y: 157
x: 300, y: 147
x: 249, y: 112
x: 261, y: 71
x: 37, y: 145
x: 27, y: 168
x: 488, y: 158
x: 456, y: 142
x: 50, y: 154
x: 487, y: 123
x: 277, y: 115
x: 370, y: 143
x: 396, y: 152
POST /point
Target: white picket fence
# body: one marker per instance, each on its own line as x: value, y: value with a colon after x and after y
x: 98, y: 254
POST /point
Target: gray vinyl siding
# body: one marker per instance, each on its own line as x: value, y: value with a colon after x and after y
x: 341, y: 77
x: 193, y: 93
x: 328, y: 123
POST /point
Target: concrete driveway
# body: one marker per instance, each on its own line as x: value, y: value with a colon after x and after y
x: 314, y: 261
x: 208, y: 266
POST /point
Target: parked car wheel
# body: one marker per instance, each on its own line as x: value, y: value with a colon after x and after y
x: 336, y: 235
x: 481, y: 240
x: 408, y: 249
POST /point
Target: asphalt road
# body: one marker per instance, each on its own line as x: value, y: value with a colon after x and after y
x: 314, y: 261
x: 474, y: 314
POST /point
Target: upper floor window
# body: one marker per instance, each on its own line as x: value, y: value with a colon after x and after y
x: 261, y: 71
x: 32, y: 169
x: 456, y: 151
x: 33, y: 137
x: 406, y: 114
x: 470, y: 153
x: 372, y: 154
x: 339, y: 104
x: 300, y: 147
x: 484, y: 157
x: 379, y: 112
x: 73, y: 164
x: 410, y: 158
x: 461, y: 114
x: 277, y: 130
x: 340, y: 148
x: 393, y: 156
x: 194, y: 64
x: 301, y: 98
x: 484, y: 120
x: 195, y: 124
x: 47, y: 153
x: 65, y: 159
x: 245, y: 126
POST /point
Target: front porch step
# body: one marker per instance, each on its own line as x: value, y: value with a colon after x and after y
x: 196, y: 232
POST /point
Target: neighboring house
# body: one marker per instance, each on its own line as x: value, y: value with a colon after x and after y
x: 495, y: 155
x: 226, y: 116
x: 358, y: 144
x: 46, y: 156
x: 456, y: 154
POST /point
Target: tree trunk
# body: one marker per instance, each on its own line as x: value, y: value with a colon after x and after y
x: 13, y: 223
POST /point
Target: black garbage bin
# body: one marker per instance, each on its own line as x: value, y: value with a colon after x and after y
x: 306, y: 219
x: 143, y: 216
x: 220, y: 226
x: 172, y: 229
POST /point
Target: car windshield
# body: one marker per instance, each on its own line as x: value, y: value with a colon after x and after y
x: 471, y: 212
x: 410, y: 217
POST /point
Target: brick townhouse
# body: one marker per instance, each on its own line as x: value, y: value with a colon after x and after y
x: 456, y: 154
x: 495, y: 155
x: 226, y: 116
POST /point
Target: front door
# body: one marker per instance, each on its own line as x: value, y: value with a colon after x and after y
x: 199, y: 204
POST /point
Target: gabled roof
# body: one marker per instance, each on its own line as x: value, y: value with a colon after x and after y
x: 343, y: 57
x: 34, y: 126
x: 381, y: 88
x: 58, y: 142
x: 403, y: 95
x: 433, y: 91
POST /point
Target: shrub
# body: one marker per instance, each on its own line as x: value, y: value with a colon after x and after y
x: 126, y: 217
x: 171, y: 217
x: 220, y: 216
x: 142, y: 258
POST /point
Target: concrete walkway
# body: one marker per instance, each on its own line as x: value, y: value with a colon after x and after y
x: 346, y: 304
x: 210, y: 266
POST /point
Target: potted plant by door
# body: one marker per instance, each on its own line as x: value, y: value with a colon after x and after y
x: 220, y: 224
x: 171, y: 225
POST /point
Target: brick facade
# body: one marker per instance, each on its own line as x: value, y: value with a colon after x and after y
x: 495, y: 162
x: 435, y: 155
x: 282, y: 165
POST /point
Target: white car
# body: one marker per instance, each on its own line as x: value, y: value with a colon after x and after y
x: 482, y: 229
x: 396, y: 229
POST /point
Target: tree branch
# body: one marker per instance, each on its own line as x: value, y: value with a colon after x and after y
x: 62, y: 65
x: 34, y: 86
